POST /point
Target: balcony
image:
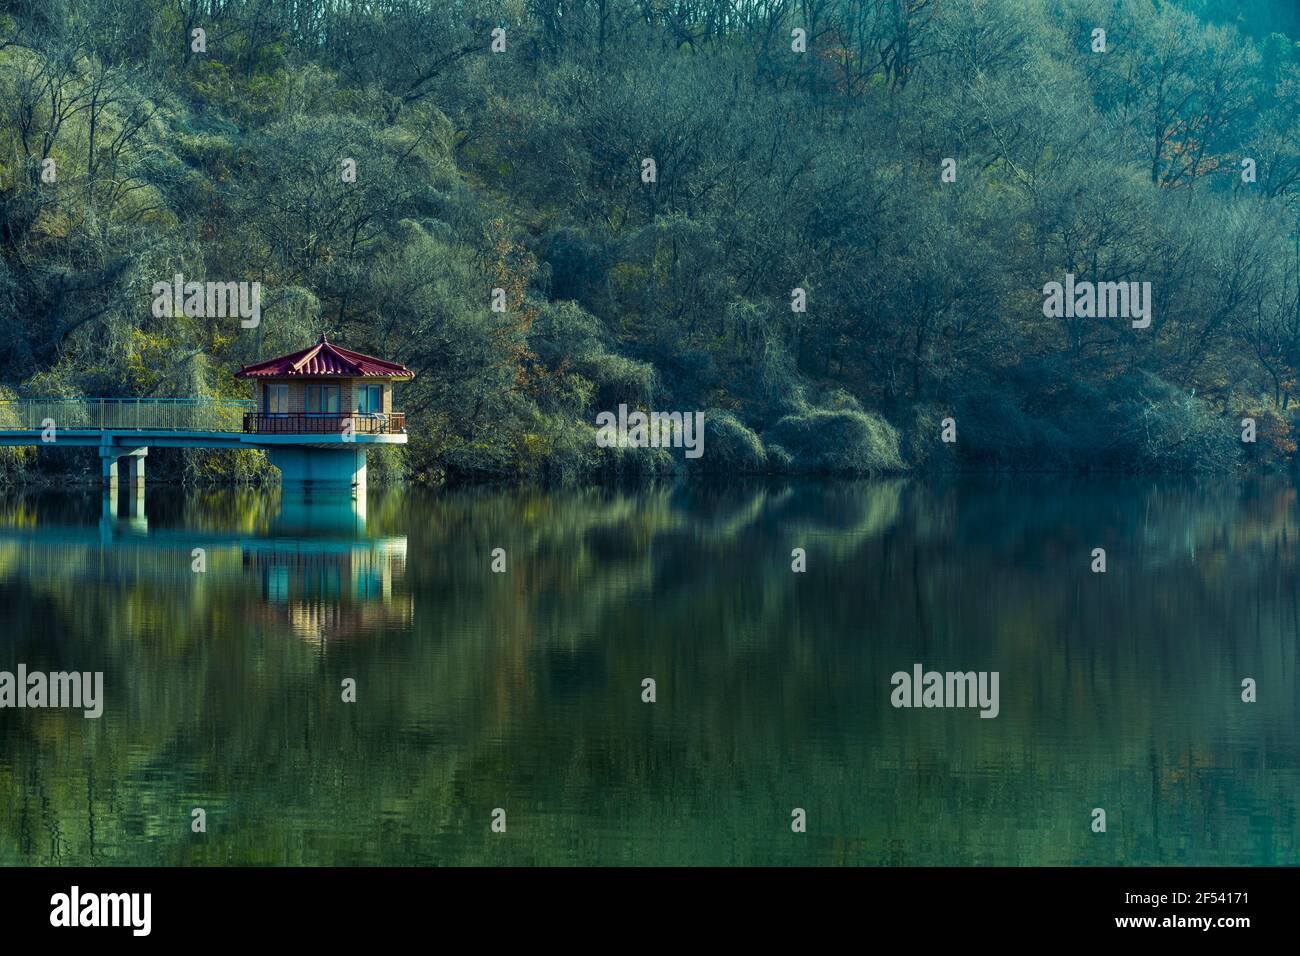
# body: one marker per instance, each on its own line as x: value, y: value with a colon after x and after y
x: 309, y: 423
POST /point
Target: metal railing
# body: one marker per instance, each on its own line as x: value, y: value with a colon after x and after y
x: 307, y: 423
x: 125, y: 414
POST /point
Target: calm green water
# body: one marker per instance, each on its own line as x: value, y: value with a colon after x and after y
x: 522, y: 690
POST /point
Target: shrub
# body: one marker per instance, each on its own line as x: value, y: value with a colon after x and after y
x: 386, y: 464
x: 838, y: 443
x: 1274, y: 443
x: 921, y: 446
x: 1165, y: 428
x: 994, y: 431
x: 622, y: 462
x: 565, y: 332
x: 728, y: 446
x: 619, y: 380
x: 779, y: 460
x: 557, y: 448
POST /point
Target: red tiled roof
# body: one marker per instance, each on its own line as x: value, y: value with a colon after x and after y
x: 325, y: 360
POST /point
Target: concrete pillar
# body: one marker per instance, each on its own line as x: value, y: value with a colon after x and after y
x: 135, y: 473
x: 320, y: 469
x: 108, y: 465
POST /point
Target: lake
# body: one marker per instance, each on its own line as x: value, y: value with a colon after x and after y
x: 523, y: 690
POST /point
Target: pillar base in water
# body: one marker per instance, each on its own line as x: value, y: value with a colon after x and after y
x: 320, y: 469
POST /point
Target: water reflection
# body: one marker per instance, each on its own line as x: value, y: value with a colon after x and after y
x: 324, y: 591
x: 318, y: 573
x: 522, y: 690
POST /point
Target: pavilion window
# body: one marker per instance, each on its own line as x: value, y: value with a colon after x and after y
x: 277, y: 399
x: 370, y: 399
x: 323, y: 399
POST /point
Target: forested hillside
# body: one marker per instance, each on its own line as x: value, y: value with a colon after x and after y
x: 796, y: 145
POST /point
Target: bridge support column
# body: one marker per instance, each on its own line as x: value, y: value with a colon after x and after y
x: 135, y: 466
x: 325, y: 469
x: 108, y: 465
x: 108, y: 459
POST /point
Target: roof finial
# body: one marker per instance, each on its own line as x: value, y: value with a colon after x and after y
x: 323, y: 340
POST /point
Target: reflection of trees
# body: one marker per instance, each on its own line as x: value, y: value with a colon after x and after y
x: 522, y: 690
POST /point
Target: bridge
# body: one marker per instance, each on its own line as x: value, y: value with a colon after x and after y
x: 311, y: 450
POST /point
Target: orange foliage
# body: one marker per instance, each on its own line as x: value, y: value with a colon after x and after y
x: 510, y: 266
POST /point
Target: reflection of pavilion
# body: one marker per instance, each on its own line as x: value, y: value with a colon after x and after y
x: 313, y: 572
x: 328, y: 594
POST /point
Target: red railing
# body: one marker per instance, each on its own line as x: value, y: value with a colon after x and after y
x: 300, y: 423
